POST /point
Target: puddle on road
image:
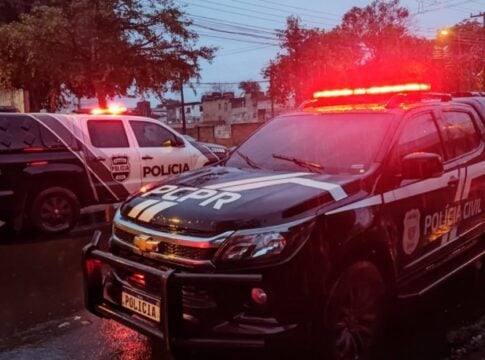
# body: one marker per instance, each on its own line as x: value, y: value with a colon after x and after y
x: 77, y: 338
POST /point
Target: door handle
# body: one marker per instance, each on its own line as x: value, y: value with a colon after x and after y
x: 147, y: 157
x: 453, y: 181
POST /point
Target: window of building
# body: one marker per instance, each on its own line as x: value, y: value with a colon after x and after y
x: 107, y: 134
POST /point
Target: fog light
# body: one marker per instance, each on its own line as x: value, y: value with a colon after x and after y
x: 259, y: 296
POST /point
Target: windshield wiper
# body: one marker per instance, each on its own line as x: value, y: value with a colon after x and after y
x: 248, y: 160
x: 303, y: 163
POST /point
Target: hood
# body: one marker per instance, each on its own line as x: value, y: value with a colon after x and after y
x: 215, y: 199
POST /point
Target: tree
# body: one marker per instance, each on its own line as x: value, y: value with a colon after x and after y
x: 372, y: 45
x: 463, y: 56
x: 99, y: 48
x: 388, y: 52
x: 287, y: 73
x: 250, y: 87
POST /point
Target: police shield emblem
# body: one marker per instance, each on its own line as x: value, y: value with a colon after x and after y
x: 411, y: 231
x: 120, y: 168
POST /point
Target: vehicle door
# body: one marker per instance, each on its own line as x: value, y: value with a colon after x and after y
x: 162, y: 152
x: 464, y: 148
x: 423, y: 210
x: 112, y: 159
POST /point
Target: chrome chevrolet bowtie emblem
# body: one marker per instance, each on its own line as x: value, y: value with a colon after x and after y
x: 145, y: 243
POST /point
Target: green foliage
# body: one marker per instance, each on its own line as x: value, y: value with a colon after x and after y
x: 372, y: 45
x: 462, y: 57
x: 249, y: 87
x: 99, y: 48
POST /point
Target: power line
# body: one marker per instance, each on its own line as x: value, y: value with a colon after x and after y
x: 301, y: 8
x: 234, y: 23
x: 312, y: 15
x: 237, y: 33
x: 234, y: 52
x: 246, y: 10
x: 236, y: 39
x: 431, y: 8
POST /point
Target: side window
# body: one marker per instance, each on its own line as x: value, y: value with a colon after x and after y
x: 107, y: 134
x: 460, y: 135
x: 420, y: 134
x: 150, y: 135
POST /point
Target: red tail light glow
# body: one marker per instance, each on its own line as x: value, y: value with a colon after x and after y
x: 388, y: 89
x: 138, y: 278
x: 93, y: 265
x: 38, y: 163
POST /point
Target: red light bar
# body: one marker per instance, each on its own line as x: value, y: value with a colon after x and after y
x: 97, y: 111
x: 372, y: 90
x: 112, y: 109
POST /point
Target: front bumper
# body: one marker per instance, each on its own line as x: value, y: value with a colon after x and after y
x: 244, y: 332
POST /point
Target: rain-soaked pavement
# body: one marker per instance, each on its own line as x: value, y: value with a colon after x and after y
x: 42, y: 315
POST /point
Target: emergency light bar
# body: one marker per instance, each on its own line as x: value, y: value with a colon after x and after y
x: 375, y: 90
x: 112, y: 109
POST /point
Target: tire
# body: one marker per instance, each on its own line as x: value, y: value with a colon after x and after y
x: 55, y: 210
x: 354, y: 313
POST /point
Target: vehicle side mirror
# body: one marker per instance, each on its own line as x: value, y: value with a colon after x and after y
x: 421, y: 165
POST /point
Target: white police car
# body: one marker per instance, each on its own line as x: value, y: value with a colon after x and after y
x: 52, y: 165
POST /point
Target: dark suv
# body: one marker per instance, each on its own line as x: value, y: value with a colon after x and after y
x: 305, y: 233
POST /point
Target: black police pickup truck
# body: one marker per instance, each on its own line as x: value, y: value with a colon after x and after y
x: 51, y: 165
x: 306, y: 232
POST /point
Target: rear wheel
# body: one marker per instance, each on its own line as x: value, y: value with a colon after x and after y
x: 354, y: 313
x: 55, y: 210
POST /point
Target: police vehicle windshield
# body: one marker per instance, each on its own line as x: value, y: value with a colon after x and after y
x: 330, y: 143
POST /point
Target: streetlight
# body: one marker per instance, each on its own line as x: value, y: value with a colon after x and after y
x: 447, y: 35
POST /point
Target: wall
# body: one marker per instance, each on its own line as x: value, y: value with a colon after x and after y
x: 205, y: 133
x: 17, y: 98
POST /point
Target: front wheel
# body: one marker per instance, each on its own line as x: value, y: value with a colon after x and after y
x: 55, y: 210
x: 354, y: 313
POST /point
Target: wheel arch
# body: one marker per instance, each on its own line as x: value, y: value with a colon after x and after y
x: 375, y: 246
x: 71, y: 177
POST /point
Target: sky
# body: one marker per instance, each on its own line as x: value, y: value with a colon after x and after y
x: 241, y: 57
x: 243, y: 31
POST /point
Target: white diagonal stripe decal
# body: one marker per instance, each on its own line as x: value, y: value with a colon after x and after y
x: 150, y: 213
x: 254, y: 180
x: 374, y: 200
x: 335, y: 190
x: 473, y: 171
x: 140, y: 207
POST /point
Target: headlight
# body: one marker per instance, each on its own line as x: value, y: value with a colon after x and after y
x: 260, y: 245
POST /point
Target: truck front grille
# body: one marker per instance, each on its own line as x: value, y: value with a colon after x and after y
x: 170, y: 249
x: 169, y: 246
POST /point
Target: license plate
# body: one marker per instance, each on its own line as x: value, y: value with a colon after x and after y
x: 142, y: 305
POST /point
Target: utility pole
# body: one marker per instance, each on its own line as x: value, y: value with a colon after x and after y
x: 184, y: 129
x: 482, y: 43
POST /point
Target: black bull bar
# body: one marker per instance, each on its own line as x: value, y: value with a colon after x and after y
x: 170, y: 295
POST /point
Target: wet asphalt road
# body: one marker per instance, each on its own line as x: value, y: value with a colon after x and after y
x: 42, y: 315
